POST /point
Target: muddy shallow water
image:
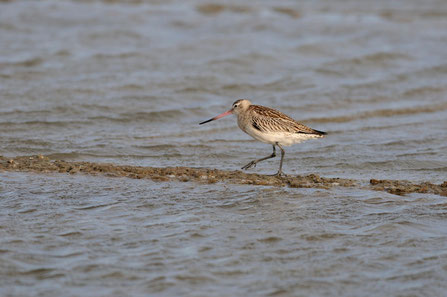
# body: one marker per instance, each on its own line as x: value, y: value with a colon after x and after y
x: 44, y: 164
x: 126, y: 83
x: 102, y: 236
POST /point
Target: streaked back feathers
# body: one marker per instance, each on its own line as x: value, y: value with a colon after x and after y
x: 271, y: 120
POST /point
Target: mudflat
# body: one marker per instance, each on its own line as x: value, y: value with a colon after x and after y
x: 43, y: 164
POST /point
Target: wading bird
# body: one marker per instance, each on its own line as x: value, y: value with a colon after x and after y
x: 270, y: 126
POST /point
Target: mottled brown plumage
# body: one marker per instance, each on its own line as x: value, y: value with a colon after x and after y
x: 271, y: 120
x: 270, y: 126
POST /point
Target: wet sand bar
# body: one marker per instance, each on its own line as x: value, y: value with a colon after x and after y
x: 43, y: 164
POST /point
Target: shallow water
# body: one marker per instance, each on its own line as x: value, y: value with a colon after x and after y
x: 97, y: 236
x: 128, y: 83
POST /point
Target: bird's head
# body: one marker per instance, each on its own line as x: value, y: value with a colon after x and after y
x: 238, y: 107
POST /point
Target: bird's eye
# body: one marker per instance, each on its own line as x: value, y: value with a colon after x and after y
x: 235, y: 105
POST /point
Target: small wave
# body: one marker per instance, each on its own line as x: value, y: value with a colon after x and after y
x: 364, y: 63
x: 161, y: 147
x: 312, y: 49
x: 215, y: 9
x: 31, y: 62
x: 270, y: 239
x: 123, y: 55
x: 405, y: 16
x: 196, y: 89
x: 407, y: 164
x: 89, y: 207
x: 25, y: 110
x: 130, y: 87
x: 153, y: 116
x: 64, y: 156
x: 42, y: 273
x: 423, y: 91
x: 434, y: 169
x: 438, y: 72
x: 269, y: 86
x: 150, y: 116
x: 41, y: 123
x: 71, y: 234
x: 63, y: 53
x: 381, y: 113
x: 287, y: 11
x: 245, y: 59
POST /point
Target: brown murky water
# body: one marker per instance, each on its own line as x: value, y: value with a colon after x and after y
x: 128, y: 83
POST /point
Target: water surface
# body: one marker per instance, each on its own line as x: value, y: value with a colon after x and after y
x: 98, y: 236
x: 128, y: 83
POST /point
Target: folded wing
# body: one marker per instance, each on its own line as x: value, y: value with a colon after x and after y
x: 270, y: 120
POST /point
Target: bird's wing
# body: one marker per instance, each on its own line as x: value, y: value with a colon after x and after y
x: 267, y: 119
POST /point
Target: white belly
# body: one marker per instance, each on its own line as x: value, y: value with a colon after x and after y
x: 283, y: 138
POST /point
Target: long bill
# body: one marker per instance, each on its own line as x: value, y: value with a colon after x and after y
x: 217, y: 117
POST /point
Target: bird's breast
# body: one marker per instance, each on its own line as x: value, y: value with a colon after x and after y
x: 283, y: 138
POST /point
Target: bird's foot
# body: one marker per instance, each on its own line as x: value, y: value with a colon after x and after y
x: 279, y: 174
x: 249, y: 165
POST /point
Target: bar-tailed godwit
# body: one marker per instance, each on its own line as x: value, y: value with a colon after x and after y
x: 270, y: 126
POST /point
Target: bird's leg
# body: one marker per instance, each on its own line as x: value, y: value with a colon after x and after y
x: 253, y: 163
x: 280, y: 173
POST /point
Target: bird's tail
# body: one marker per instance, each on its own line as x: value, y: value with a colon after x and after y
x: 321, y: 133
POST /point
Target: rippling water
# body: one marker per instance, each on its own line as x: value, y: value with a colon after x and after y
x: 128, y: 83
x: 96, y: 236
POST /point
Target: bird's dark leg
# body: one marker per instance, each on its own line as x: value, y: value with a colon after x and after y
x: 280, y: 173
x: 253, y: 163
